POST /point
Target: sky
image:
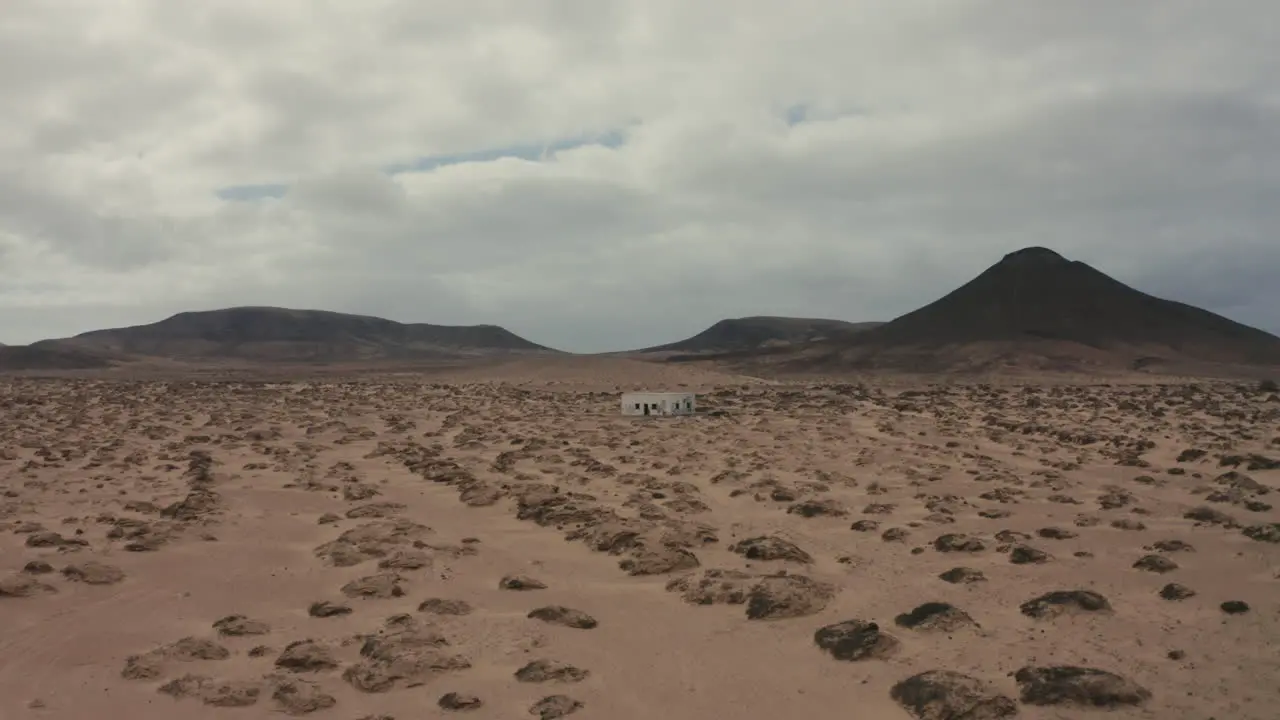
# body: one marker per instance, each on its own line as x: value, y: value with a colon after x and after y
x: 610, y: 174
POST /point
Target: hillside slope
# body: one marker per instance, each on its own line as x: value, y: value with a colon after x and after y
x: 747, y: 333
x: 1037, y: 309
x: 28, y: 357
x: 281, y: 334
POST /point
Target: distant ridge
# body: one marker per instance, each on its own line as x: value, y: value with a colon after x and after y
x: 27, y: 357
x: 1035, y: 293
x: 1037, y: 308
x: 761, y: 331
x: 274, y: 334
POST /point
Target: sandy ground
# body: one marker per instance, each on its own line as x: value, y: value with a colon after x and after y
x: 386, y: 548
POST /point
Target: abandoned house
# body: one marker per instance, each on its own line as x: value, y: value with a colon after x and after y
x: 658, y: 403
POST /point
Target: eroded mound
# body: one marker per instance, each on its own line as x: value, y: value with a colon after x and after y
x: 947, y: 695
x: 855, y: 640
x: 1059, y: 602
x: 1079, y: 686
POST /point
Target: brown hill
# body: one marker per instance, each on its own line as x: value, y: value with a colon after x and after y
x: 280, y: 334
x: 749, y: 333
x: 1037, y: 309
x: 28, y: 357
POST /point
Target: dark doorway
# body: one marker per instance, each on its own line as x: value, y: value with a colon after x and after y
x: 646, y: 408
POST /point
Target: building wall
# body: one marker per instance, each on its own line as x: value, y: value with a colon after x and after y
x: 659, y: 403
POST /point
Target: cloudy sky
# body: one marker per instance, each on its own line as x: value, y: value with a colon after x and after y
x: 604, y: 174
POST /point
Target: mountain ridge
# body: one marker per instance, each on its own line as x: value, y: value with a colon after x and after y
x: 1033, y: 307
x: 1035, y: 302
x: 265, y: 333
x: 757, y: 331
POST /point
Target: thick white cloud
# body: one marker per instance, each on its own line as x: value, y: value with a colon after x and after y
x: 603, y: 174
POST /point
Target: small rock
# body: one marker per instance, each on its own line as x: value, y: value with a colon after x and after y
x: 818, y: 508
x: 459, y: 702
x: 947, y: 695
x: 658, y: 560
x: 560, y: 615
x: 381, y: 586
x: 441, y: 606
x: 21, y: 586
x: 538, y: 671
x: 306, y: 656
x: 935, y: 617
x: 1156, y: 564
x: 1174, y: 591
x: 787, y: 596
x: 1269, y: 533
x: 294, y: 696
x: 854, y: 640
x: 521, y: 582
x: 324, y: 609
x: 1027, y: 555
x: 1078, y: 686
x: 553, y: 707
x: 1234, y: 607
x: 770, y: 547
x: 1210, y: 516
x: 1128, y: 524
x: 894, y: 534
x: 963, y: 575
x: 239, y: 626
x: 1058, y: 602
x: 955, y: 542
x: 1171, y: 546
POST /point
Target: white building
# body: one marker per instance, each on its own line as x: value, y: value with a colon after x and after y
x: 659, y: 403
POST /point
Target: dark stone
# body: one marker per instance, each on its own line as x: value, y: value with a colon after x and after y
x: 770, y: 547
x: 560, y: 615
x: 935, y: 616
x: 853, y: 640
x: 324, y: 609
x: 1058, y: 602
x: 458, y: 702
x: 1174, y: 591
x: 553, y: 707
x: 1156, y: 564
x: 963, y: 575
x: 1027, y: 555
x: 521, y: 582
x: 956, y: 542
x: 538, y: 671
x: 1080, y: 686
x: 947, y: 695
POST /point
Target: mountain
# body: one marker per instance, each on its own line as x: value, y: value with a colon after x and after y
x: 281, y: 334
x: 27, y: 357
x: 748, y: 333
x: 1037, y: 308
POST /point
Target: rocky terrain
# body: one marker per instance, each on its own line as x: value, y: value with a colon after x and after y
x: 396, y: 549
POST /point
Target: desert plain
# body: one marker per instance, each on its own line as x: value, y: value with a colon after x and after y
x: 504, y: 544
